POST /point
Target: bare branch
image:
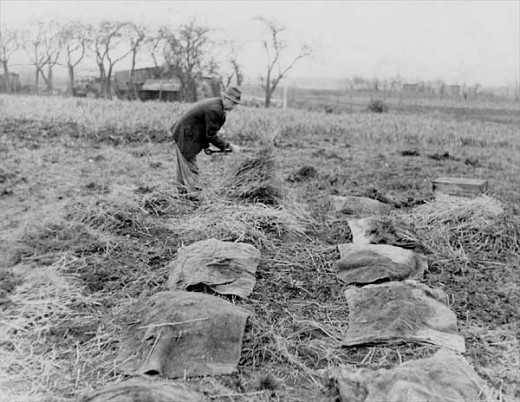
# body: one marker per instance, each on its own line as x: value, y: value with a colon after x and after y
x: 187, y: 52
x: 274, y: 49
x: 108, y: 41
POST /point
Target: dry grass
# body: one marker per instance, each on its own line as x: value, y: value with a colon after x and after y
x: 52, y: 338
x: 61, y: 337
x: 466, y: 230
x: 257, y: 224
x: 255, y: 179
x: 498, y: 357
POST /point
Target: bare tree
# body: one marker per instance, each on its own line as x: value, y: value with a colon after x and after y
x: 274, y: 47
x: 232, y: 67
x: 9, y: 44
x: 187, y: 51
x: 376, y: 84
x: 154, y: 43
x: 75, y: 38
x: 395, y: 84
x: 33, y: 44
x: 52, y: 47
x: 137, y: 35
x: 107, y: 43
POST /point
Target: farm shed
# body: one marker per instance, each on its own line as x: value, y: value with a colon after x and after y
x: 165, y: 90
x: 122, y: 84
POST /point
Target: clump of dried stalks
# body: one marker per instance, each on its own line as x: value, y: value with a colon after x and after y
x: 498, y: 357
x: 254, y: 179
x: 111, y: 213
x: 467, y: 229
x: 44, y: 241
x: 256, y: 224
x: 128, y: 210
x: 51, y: 338
x: 160, y: 200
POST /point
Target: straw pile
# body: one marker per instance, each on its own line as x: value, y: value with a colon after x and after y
x: 44, y: 241
x: 111, y: 213
x: 254, y: 179
x: 50, y: 337
x: 160, y: 200
x: 468, y: 229
x: 256, y: 224
x: 128, y: 210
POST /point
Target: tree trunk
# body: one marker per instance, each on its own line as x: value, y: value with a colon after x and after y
x: 108, y: 86
x: 268, y: 90
x: 37, y: 79
x: 102, y: 79
x: 132, y: 78
x: 268, y: 97
x: 8, y: 86
x: 49, y: 79
x: 70, y: 87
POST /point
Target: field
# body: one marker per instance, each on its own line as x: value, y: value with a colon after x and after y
x: 90, y: 220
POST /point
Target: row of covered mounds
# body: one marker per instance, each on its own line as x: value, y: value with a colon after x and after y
x: 195, y: 329
x: 388, y: 305
x: 186, y: 332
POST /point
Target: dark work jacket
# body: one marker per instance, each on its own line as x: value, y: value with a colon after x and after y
x: 197, y: 128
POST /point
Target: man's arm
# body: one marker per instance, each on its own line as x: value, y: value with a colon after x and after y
x: 212, y: 128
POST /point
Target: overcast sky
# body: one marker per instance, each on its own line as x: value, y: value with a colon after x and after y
x: 457, y: 41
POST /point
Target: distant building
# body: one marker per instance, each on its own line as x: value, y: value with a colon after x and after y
x: 10, y: 85
x: 410, y: 88
x: 159, y: 83
x: 164, y: 90
x: 122, y: 82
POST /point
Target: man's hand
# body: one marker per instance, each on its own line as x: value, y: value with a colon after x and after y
x: 234, y: 148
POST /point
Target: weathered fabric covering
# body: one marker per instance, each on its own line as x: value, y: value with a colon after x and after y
x: 397, y: 312
x: 369, y: 263
x: 443, y: 377
x: 380, y: 230
x: 358, y: 205
x: 225, y: 267
x: 184, y: 334
x: 142, y: 389
x: 362, y: 230
x: 186, y: 172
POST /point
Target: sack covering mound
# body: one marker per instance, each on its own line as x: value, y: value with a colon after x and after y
x: 184, y: 334
x: 359, y: 206
x: 225, y: 267
x: 381, y: 230
x: 443, y: 377
x: 142, y: 389
x: 371, y: 263
x: 397, y: 312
